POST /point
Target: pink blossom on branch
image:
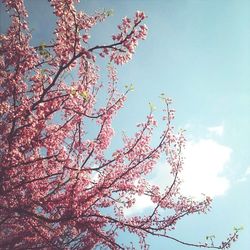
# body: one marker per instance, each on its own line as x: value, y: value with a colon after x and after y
x: 59, y: 188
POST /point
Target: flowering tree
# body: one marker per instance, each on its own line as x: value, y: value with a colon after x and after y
x: 59, y: 188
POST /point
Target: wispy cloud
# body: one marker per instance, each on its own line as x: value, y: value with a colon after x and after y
x: 245, y: 175
x: 217, y: 130
x: 202, y: 173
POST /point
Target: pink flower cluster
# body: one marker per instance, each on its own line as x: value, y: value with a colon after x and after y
x: 130, y: 33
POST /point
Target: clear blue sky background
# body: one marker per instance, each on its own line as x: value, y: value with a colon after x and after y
x: 197, y: 52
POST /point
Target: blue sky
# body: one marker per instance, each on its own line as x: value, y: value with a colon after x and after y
x: 198, y: 53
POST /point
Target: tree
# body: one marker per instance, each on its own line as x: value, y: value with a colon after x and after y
x: 60, y: 187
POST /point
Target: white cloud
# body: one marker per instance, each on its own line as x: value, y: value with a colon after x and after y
x: 217, y: 130
x: 204, y: 163
x: 202, y: 173
x: 142, y: 202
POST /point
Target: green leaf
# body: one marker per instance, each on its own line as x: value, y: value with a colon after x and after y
x: 109, y: 12
x: 162, y: 96
x: 152, y: 107
x: 237, y: 229
x: 73, y: 92
x: 43, y: 51
x: 84, y: 95
x: 131, y: 87
x: 41, y: 46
